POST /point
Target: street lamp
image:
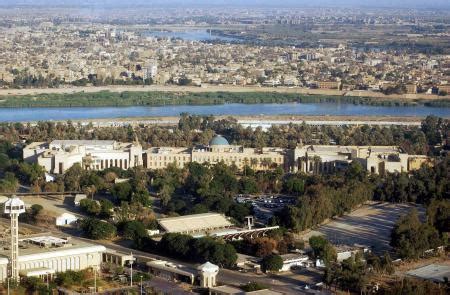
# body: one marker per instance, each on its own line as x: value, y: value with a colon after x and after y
x: 131, y: 270
x: 141, y: 283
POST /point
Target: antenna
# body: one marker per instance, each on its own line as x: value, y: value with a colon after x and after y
x: 14, y: 207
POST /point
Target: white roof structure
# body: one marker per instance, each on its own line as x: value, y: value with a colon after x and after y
x: 194, y: 223
x: 45, y: 241
x: 83, y: 142
x: 208, y: 267
x: 14, y: 205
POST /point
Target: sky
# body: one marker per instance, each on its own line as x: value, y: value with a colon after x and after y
x: 249, y: 3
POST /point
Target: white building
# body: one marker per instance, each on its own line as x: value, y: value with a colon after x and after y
x: 66, y: 219
x: 60, y: 155
x: 46, y: 255
x: 318, y: 159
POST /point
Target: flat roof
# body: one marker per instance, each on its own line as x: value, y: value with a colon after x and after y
x: 82, y: 142
x: 433, y: 272
x: 194, y: 222
x: 29, y: 251
x: 170, y: 267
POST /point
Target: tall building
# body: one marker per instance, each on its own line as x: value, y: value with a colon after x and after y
x: 59, y: 155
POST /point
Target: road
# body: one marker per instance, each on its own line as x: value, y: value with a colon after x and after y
x: 228, y: 277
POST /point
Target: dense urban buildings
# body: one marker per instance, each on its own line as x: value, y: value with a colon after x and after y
x: 54, y: 53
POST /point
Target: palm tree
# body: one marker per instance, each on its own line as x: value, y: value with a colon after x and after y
x: 254, y: 162
x: 316, y: 160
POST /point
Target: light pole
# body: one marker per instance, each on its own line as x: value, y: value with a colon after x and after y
x: 141, y: 283
x: 95, y: 279
x: 131, y: 270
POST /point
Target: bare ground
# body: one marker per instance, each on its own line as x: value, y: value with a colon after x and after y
x: 369, y: 225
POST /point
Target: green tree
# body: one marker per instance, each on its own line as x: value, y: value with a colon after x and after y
x: 411, y: 238
x: 322, y: 249
x: 122, y: 191
x: 72, y: 177
x: 98, y: 230
x: 91, y: 207
x: 272, y: 262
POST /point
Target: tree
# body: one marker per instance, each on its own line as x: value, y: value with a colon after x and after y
x: 72, y: 177
x: 122, y: 191
x: 106, y: 208
x: 322, y: 249
x: 9, y: 184
x: 248, y: 185
x: 411, y: 238
x: 253, y: 286
x: 272, y: 262
x: 91, y: 207
x: 142, y: 197
x: 438, y: 214
x: 98, y: 230
x: 36, y: 209
x: 135, y: 231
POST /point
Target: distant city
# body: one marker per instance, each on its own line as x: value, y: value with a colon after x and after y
x: 224, y: 147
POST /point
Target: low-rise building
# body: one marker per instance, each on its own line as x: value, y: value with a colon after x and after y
x: 47, y: 255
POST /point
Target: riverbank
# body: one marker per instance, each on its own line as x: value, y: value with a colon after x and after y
x: 152, y: 96
x: 263, y: 121
x: 217, y: 88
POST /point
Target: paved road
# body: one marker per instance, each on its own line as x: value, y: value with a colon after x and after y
x: 229, y: 277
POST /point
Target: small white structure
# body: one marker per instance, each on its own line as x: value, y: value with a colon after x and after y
x: 208, y: 273
x: 49, y: 177
x: 78, y: 198
x: 66, y: 219
x: 293, y: 260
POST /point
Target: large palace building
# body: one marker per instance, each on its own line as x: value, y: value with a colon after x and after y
x: 218, y: 150
x: 59, y: 155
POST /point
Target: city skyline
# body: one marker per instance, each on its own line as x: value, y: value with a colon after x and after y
x: 235, y: 3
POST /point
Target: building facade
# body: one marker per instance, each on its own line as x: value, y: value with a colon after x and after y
x: 218, y: 150
x: 320, y: 159
x: 59, y: 155
x: 46, y: 255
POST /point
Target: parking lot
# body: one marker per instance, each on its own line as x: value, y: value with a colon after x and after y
x: 369, y: 225
x: 265, y: 206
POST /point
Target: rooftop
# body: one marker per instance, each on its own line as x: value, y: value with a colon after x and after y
x: 195, y: 222
x: 218, y: 140
x: 433, y: 272
x: 42, y: 247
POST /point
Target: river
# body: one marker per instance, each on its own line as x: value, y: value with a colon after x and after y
x: 306, y: 109
x: 190, y: 35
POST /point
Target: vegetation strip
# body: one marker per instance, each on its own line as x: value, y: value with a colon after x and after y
x: 158, y: 98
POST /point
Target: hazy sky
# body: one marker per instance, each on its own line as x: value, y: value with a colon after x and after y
x: 265, y: 3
